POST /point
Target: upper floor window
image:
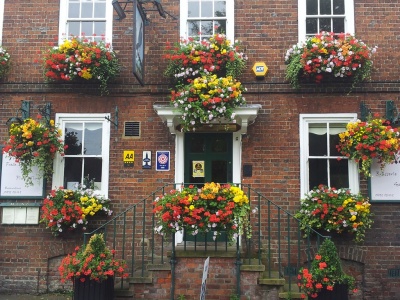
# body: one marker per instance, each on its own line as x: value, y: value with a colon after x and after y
x: 87, y: 156
x: 319, y: 163
x: 204, y: 18
x: 89, y: 18
x: 325, y: 15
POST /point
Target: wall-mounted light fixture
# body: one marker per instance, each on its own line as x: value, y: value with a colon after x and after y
x: 25, y: 113
x: 119, y: 9
x: 45, y: 111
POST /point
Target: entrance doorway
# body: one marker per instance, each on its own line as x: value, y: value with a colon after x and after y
x: 208, y: 157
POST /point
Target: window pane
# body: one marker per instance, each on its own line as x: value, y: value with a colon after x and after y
x: 317, y: 172
x: 193, y: 9
x: 92, y: 170
x: 206, y: 28
x: 99, y: 10
x: 312, y: 7
x: 196, y: 144
x: 220, y: 9
x: 338, y: 25
x: 339, y: 173
x: 220, y: 26
x: 338, y: 7
x: 333, y: 141
x: 87, y: 28
x: 317, y: 140
x: 72, y: 171
x: 100, y: 28
x: 194, y: 28
x: 73, y: 138
x: 219, y: 171
x: 73, y: 10
x: 325, y: 24
x: 93, y: 141
x: 219, y: 145
x: 311, y: 26
x: 325, y: 7
x: 74, y: 29
x: 206, y: 9
x: 87, y: 10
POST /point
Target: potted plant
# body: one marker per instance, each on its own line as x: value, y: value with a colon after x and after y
x: 81, y: 59
x: 34, y: 143
x: 329, y: 55
x: 92, y: 269
x: 335, y: 210
x: 206, y: 99
x: 191, y: 58
x: 325, y: 280
x: 213, y: 208
x: 364, y: 141
x: 67, y: 210
x: 5, y: 62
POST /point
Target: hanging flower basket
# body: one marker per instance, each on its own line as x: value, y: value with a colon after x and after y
x: 214, y: 208
x: 327, y: 56
x: 364, y: 141
x: 335, y: 210
x: 35, y: 143
x: 193, y: 58
x: 81, y: 60
x: 206, y: 99
x: 5, y: 62
x: 65, y: 211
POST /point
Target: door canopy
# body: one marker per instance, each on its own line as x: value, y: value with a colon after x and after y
x: 244, y: 116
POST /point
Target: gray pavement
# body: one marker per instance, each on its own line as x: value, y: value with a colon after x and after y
x: 36, y: 297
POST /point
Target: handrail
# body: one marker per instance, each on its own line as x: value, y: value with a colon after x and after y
x: 276, y: 240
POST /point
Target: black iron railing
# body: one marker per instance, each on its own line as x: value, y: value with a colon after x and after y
x: 276, y: 240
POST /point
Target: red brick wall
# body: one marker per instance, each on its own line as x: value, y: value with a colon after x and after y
x: 271, y: 145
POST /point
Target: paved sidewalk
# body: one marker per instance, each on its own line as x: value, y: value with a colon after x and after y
x: 35, y: 297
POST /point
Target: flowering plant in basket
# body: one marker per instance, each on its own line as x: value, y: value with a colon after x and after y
x: 95, y: 261
x: 5, y: 62
x: 364, y: 141
x: 335, y: 210
x: 214, y: 208
x: 34, y: 143
x: 325, y: 272
x: 192, y: 58
x: 77, y: 59
x: 328, y: 55
x: 208, y: 98
x: 66, y: 210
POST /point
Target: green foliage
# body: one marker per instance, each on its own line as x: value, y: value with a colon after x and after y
x: 34, y: 143
x: 5, y: 62
x: 81, y: 59
x: 213, y: 208
x: 335, y: 210
x: 328, y: 55
x: 325, y: 272
x: 364, y: 141
x: 95, y: 260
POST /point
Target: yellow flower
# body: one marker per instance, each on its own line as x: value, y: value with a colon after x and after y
x: 353, y: 217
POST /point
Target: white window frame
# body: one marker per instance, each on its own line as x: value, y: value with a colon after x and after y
x: 348, y: 22
x: 64, y: 20
x: 230, y: 19
x: 305, y: 120
x: 61, y: 119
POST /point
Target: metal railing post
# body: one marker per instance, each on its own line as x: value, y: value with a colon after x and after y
x: 173, y: 263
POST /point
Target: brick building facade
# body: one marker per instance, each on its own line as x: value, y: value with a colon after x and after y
x: 271, y: 145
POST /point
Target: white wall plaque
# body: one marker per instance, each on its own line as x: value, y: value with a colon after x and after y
x: 385, y: 183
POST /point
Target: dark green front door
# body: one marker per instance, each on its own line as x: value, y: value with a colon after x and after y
x: 208, y: 157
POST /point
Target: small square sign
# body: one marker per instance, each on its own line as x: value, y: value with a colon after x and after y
x: 162, y: 160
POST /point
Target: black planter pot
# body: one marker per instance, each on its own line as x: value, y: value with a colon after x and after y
x: 339, y: 292
x: 94, y: 290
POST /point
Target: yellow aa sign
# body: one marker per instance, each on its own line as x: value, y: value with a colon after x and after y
x: 129, y: 157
